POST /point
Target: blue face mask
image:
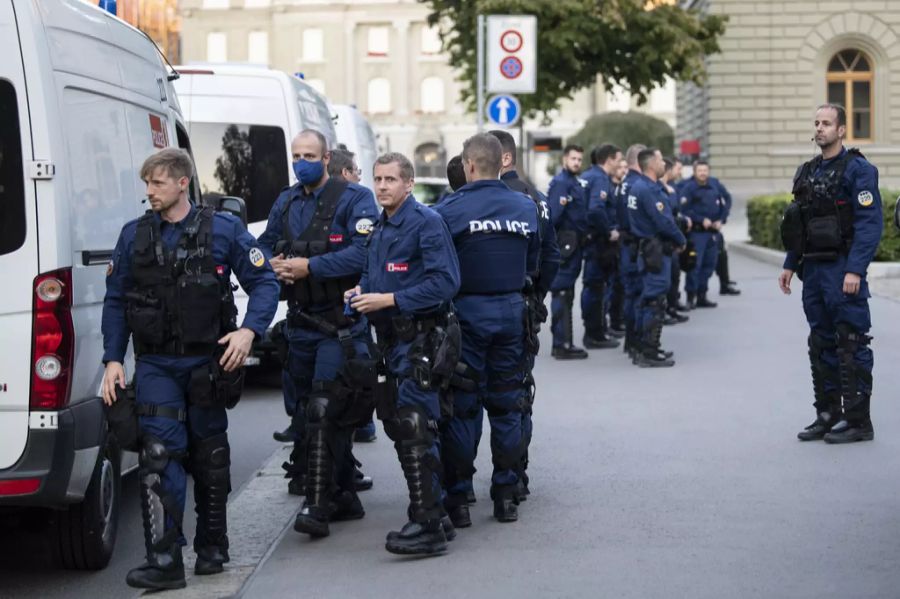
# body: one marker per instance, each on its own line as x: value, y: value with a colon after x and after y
x: 309, y: 173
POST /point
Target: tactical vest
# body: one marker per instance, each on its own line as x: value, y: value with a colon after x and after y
x: 316, y: 240
x: 182, y: 303
x: 819, y: 221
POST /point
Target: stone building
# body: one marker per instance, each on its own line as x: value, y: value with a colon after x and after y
x: 379, y: 55
x: 779, y: 60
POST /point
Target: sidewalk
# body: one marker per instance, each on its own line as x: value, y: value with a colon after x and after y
x: 682, y: 482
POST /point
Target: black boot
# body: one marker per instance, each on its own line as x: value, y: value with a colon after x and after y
x: 458, y: 510
x: 312, y: 519
x: 726, y: 285
x: 703, y: 302
x: 414, y: 438
x: 855, y: 383
x: 674, y: 315
x: 567, y: 351
x: 691, y: 301
x: 361, y: 482
x: 827, y: 403
x: 595, y: 329
x: 652, y: 355
x: 506, y: 502
x: 210, y: 462
x: 163, y: 568
x: 729, y: 289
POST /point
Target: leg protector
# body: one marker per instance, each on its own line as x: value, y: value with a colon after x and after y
x: 566, y: 297
x: 157, y: 504
x: 414, y: 439
x: 594, y: 310
x: 319, y: 461
x: 210, y: 462
x: 856, y: 381
x: 825, y: 381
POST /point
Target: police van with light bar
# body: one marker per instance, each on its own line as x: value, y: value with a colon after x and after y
x: 84, y: 99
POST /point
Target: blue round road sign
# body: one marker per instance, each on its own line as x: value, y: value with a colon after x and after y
x: 503, y: 110
x: 511, y: 67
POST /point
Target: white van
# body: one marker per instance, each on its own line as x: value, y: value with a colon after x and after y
x: 354, y: 132
x: 97, y: 102
x: 241, y: 120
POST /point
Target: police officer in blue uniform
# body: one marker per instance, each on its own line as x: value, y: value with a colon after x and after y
x: 701, y: 201
x: 495, y: 231
x: 568, y: 201
x: 668, y: 183
x: 537, y: 289
x: 628, y: 253
x: 168, y: 289
x: 316, y: 236
x: 601, y: 252
x: 723, y: 272
x: 653, y: 224
x: 617, y: 290
x: 831, y: 232
x: 409, y: 279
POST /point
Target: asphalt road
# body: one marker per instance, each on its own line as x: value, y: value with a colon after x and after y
x: 25, y: 567
x: 682, y: 482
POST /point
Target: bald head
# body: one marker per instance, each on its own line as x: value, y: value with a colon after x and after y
x: 312, y: 142
x: 631, y: 156
x: 482, y: 157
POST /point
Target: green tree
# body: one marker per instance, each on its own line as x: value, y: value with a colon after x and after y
x: 633, y: 43
x: 624, y: 129
x: 235, y: 166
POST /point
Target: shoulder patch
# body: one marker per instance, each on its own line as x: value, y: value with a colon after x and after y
x: 257, y: 258
x: 865, y: 199
x: 602, y: 195
x: 660, y: 206
x: 364, y: 226
x: 109, y: 268
x: 684, y: 199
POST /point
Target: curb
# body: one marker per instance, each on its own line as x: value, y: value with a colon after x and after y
x: 877, y: 270
x: 257, y: 516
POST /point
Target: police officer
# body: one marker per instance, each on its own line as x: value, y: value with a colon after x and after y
x: 831, y: 231
x: 568, y: 202
x: 628, y: 252
x: 617, y: 290
x: 168, y: 289
x: 701, y: 201
x: 601, y: 252
x: 654, y: 226
x: 410, y: 276
x: 667, y: 183
x: 456, y: 176
x: 536, y: 292
x: 316, y: 235
x: 726, y: 285
x: 495, y: 231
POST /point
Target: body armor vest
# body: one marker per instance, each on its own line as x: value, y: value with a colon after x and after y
x: 182, y: 303
x: 818, y: 223
x: 316, y: 240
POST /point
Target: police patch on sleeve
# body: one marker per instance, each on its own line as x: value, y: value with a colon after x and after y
x: 364, y: 226
x: 684, y: 199
x: 257, y: 258
x: 660, y: 206
x: 602, y: 195
x: 865, y: 199
x: 109, y: 268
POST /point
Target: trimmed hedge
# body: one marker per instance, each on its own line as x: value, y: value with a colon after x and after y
x: 764, y: 216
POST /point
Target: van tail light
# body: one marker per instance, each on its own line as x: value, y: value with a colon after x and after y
x: 52, y: 340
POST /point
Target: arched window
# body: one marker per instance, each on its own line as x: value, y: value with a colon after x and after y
x: 379, y: 96
x: 432, y: 92
x: 850, y: 80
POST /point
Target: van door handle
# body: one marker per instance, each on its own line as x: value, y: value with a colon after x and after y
x: 95, y: 257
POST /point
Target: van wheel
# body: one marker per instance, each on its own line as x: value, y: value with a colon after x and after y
x: 86, y: 532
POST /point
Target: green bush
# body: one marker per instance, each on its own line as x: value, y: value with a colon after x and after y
x: 624, y: 129
x: 764, y: 217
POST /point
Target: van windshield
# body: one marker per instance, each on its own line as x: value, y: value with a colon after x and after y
x: 247, y: 161
x: 12, y: 185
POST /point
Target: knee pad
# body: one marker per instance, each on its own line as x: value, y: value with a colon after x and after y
x: 154, y: 456
x: 211, y: 457
x: 849, y: 339
x: 410, y: 424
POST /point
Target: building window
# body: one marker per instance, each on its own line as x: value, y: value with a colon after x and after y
x: 216, y: 4
x: 431, y: 40
x: 379, y: 96
x: 217, y: 47
x: 258, y: 47
x: 379, y: 41
x: 313, y: 45
x: 432, y: 92
x: 850, y: 83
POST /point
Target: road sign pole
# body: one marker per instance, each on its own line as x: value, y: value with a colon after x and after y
x: 480, y: 80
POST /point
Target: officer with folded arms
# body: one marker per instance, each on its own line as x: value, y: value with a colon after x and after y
x: 409, y: 278
x: 168, y: 289
x: 831, y: 231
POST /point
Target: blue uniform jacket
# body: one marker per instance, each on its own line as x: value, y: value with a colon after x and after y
x: 233, y: 248
x: 703, y: 201
x: 567, y: 197
x: 410, y: 255
x: 650, y: 213
x: 860, y: 184
x: 548, y: 265
x: 599, y: 191
x: 623, y: 218
x: 495, y: 231
x: 353, y: 221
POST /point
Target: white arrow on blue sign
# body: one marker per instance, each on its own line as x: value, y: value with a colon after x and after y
x: 503, y: 110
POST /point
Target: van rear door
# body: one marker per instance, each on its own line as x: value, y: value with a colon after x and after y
x: 18, y: 243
